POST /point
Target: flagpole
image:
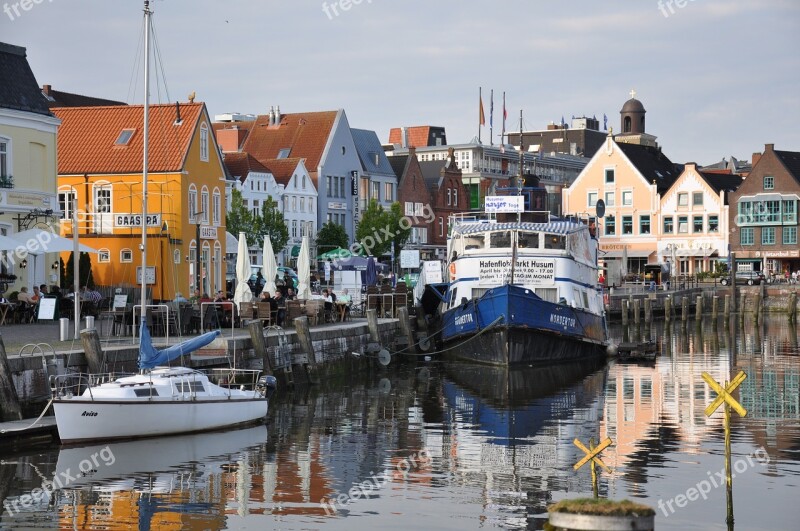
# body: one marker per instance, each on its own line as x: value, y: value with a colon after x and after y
x: 491, y: 118
x: 480, y: 112
x: 503, y: 134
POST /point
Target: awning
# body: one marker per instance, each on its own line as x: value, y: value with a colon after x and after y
x: 295, y: 251
x: 631, y: 254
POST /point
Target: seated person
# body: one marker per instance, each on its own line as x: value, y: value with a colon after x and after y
x: 290, y: 294
x: 24, y: 296
x: 36, y: 295
x: 180, y: 299
x: 328, y: 298
x: 280, y: 305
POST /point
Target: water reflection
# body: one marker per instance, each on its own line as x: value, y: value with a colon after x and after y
x: 500, y: 444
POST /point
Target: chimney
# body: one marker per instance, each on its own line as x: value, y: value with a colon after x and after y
x: 278, y: 116
x: 272, y: 116
x: 403, y: 137
x: 756, y: 158
x: 229, y: 139
x: 769, y: 147
x: 47, y: 89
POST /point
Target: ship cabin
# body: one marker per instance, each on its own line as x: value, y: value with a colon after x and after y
x: 556, y: 258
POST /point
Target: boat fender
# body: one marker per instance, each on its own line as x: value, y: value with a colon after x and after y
x: 452, y: 270
x: 611, y: 349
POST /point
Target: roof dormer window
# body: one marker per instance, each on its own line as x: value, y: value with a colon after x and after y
x: 284, y: 153
x: 124, y: 137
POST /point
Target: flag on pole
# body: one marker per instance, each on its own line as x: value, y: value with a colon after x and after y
x: 482, y: 116
x: 605, y: 122
x: 505, y: 114
x: 491, y: 109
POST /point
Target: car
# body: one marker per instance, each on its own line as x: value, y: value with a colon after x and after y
x: 745, y: 277
x: 257, y: 282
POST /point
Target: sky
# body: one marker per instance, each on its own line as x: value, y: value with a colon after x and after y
x: 717, y: 77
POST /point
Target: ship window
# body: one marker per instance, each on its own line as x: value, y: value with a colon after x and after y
x: 585, y: 300
x: 149, y: 391
x: 500, y: 240
x: 547, y: 294
x: 190, y: 387
x: 553, y: 241
x: 454, y: 298
x: 473, y: 242
x: 528, y: 240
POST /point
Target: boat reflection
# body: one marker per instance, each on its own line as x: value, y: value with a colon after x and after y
x: 511, y: 430
x: 185, y: 480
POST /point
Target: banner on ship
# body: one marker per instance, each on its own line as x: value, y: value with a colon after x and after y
x: 528, y: 271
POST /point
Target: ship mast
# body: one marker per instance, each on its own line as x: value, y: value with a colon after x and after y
x: 146, y: 136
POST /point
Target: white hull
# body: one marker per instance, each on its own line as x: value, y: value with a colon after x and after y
x: 89, y: 420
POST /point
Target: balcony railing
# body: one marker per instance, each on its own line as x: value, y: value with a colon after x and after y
x: 6, y: 181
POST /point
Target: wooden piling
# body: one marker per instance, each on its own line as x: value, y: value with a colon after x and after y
x: 715, y: 307
x: 94, y: 351
x: 372, y: 324
x: 307, y: 348
x: 636, y: 308
x: 757, y: 308
x: 648, y: 311
x: 406, y: 336
x: 9, y: 401
x: 698, y: 308
x: 684, y: 309
x: 792, y: 309
x: 624, y: 312
x: 256, y: 328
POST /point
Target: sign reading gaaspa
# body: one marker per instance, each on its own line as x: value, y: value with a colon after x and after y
x: 529, y: 271
x: 498, y: 204
x: 135, y: 220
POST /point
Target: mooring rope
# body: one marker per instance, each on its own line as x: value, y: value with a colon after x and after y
x: 34, y: 422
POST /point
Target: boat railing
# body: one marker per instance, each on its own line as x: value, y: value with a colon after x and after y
x: 244, y: 379
x: 496, y: 217
x: 75, y: 384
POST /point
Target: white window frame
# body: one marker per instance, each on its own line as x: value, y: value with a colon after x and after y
x: 9, y: 167
x: 388, y: 192
x: 217, y: 207
x: 122, y: 257
x: 204, y: 205
x: 176, y: 256
x: 409, y: 208
x: 613, y: 201
x: 204, y: 142
x: 629, y: 193
x: 192, y: 204
x: 70, y: 202
x: 589, y: 202
x: 103, y: 256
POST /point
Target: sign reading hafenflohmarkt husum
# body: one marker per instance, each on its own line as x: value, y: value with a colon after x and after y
x: 527, y: 271
x: 502, y: 204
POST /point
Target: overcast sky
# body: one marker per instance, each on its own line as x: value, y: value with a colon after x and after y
x: 717, y: 77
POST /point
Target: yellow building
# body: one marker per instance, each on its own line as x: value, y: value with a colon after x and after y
x: 27, y: 169
x: 100, y: 151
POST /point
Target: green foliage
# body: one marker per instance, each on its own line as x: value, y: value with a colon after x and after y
x: 330, y: 237
x: 379, y: 228
x: 84, y: 271
x: 64, y: 281
x: 69, y: 270
x: 270, y: 224
x: 238, y: 218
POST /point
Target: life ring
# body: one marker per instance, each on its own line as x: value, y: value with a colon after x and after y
x: 452, y: 271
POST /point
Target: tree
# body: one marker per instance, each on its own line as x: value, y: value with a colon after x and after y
x: 238, y: 217
x: 330, y: 237
x: 85, y: 275
x: 379, y: 228
x: 270, y: 223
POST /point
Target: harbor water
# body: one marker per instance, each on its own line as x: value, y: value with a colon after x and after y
x: 434, y: 445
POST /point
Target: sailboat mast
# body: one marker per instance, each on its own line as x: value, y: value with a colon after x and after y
x: 146, y: 137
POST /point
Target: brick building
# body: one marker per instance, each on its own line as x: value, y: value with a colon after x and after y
x: 448, y: 196
x: 763, y: 217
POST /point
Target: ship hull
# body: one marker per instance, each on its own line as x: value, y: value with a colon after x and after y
x: 510, y: 325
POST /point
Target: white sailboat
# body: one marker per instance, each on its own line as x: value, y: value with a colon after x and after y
x: 159, y: 400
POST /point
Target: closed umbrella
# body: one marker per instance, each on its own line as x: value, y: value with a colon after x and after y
x: 269, y: 268
x: 372, y: 274
x: 243, y: 293
x: 304, y: 271
x: 623, y: 270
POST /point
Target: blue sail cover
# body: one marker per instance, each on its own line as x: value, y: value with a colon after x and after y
x: 150, y: 358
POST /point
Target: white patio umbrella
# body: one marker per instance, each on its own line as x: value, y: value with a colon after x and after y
x: 304, y: 271
x: 623, y: 270
x: 39, y: 241
x: 243, y: 293
x: 269, y: 267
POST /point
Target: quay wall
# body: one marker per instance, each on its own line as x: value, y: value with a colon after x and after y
x: 334, y: 350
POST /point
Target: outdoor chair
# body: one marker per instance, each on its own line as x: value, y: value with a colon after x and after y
x: 293, y: 310
x: 264, y: 313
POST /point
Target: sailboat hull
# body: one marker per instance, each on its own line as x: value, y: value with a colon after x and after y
x: 81, y: 420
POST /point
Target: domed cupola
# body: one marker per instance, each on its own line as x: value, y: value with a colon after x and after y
x: 632, y: 116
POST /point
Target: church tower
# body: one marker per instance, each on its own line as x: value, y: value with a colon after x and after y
x: 632, y: 124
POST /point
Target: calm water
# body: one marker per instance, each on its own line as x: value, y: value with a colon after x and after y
x: 438, y: 448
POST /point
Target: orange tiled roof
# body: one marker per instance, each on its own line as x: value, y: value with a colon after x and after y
x: 87, y: 136
x: 283, y: 169
x: 417, y: 136
x: 305, y: 133
x: 241, y: 164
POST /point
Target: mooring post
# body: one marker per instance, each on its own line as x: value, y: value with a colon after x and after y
x: 90, y: 338
x: 648, y: 311
x: 307, y: 347
x: 668, y: 308
x: 727, y: 307
x: 636, y: 308
x: 684, y: 309
x: 792, y: 309
x: 406, y: 335
x: 624, y: 303
x: 256, y: 329
x: 715, y: 307
x: 9, y: 401
x: 698, y: 309
x: 372, y: 324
